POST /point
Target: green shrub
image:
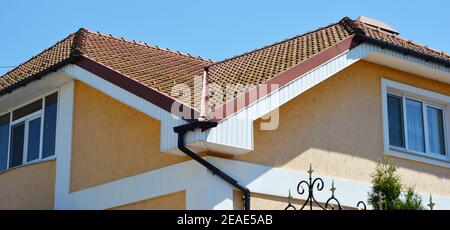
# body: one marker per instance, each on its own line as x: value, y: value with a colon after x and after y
x: 395, y: 195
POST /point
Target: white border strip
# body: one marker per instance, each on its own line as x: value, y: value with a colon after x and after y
x: 235, y: 134
x: 277, y: 182
x: 168, y: 121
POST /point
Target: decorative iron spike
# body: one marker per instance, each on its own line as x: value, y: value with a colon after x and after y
x: 310, y: 171
x: 431, y: 204
x: 318, y: 184
x: 332, y: 189
x: 289, y: 197
x: 290, y: 206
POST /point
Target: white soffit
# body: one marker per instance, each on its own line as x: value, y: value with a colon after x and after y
x: 32, y: 90
x: 410, y: 64
x: 229, y: 138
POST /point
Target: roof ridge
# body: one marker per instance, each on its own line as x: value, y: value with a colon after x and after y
x: 357, y: 27
x: 142, y: 43
x: 422, y: 45
x: 79, y: 42
x: 351, y: 26
x: 274, y: 44
x: 37, y: 55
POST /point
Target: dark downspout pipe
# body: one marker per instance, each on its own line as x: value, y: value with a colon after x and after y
x: 205, y: 125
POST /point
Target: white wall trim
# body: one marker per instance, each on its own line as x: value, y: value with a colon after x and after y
x: 188, y: 176
x: 423, y: 95
x: 209, y: 192
x: 203, y: 190
x: 31, y: 91
x: 235, y: 133
x: 63, y: 145
x: 277, y: 182
x: 168, y: 142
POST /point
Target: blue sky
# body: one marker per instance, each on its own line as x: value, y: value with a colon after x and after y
x: 211, y: 29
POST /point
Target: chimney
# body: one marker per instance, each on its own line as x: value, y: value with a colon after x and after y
x: 378, y: 25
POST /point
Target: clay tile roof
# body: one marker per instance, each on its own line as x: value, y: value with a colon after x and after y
x: 260, y: 65
x: 152, y: 66
x: 393, y: 38
x: 47, y: 58
x: 160, y: 69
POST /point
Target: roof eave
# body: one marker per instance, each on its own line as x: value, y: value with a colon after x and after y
x: 71, y: 59
x: 403, y: 50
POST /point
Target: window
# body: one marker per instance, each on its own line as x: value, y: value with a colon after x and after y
x: 395, y: 111
x: 414, y: 125
x: 436, y: 130
x: 416, y: 122
x: 4, y: 140
x: 28, y: 133
x: 17, y: 145
x: 50, y: 126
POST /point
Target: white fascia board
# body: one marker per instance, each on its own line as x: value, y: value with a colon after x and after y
x: 407, y: 63
x: 167, y: 120
x: 235, y: 133
x: 32, y: 90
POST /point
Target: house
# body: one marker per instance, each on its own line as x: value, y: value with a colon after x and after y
x: 100, y: 122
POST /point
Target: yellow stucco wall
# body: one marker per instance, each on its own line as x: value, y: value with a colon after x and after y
x: 173, y: 201
x: 112, y: 140
x: 337, y: 126
x: 28, y: 187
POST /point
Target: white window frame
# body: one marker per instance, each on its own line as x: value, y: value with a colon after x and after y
x: 26, y: 120
x: 428, y: 98
x: 29, y: 117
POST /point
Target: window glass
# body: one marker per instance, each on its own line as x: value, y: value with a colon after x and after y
x: 415, y: 130
x: 34, y: 139
x: 28, y: 109
x: 4, y: 141
x: 50, y: 125
x: 17, y: 143
x: 436, y: 137
x: 395, y: 116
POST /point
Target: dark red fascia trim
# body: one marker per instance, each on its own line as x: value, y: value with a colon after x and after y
x: 130, y: 85
x: 166, y: 102
x: 288, y: 76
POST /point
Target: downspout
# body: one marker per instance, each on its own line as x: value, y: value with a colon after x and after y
x: 203, y: 124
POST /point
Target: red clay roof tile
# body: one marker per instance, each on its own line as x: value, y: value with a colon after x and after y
x: 160, y: 69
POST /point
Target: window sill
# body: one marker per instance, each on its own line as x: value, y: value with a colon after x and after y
x: 440, y: 161
x: 29, y: 163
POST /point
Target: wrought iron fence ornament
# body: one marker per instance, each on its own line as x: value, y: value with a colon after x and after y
x: 319, y: 185
x: 332, y: 198
x: 290, y: 206
x: 431, y: 204
x: 311, y: 200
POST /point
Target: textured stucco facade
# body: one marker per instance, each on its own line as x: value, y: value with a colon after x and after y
x: 28, y: 187
x: 337, y: 126
x: 173, y: 201
x: 112, y: 141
